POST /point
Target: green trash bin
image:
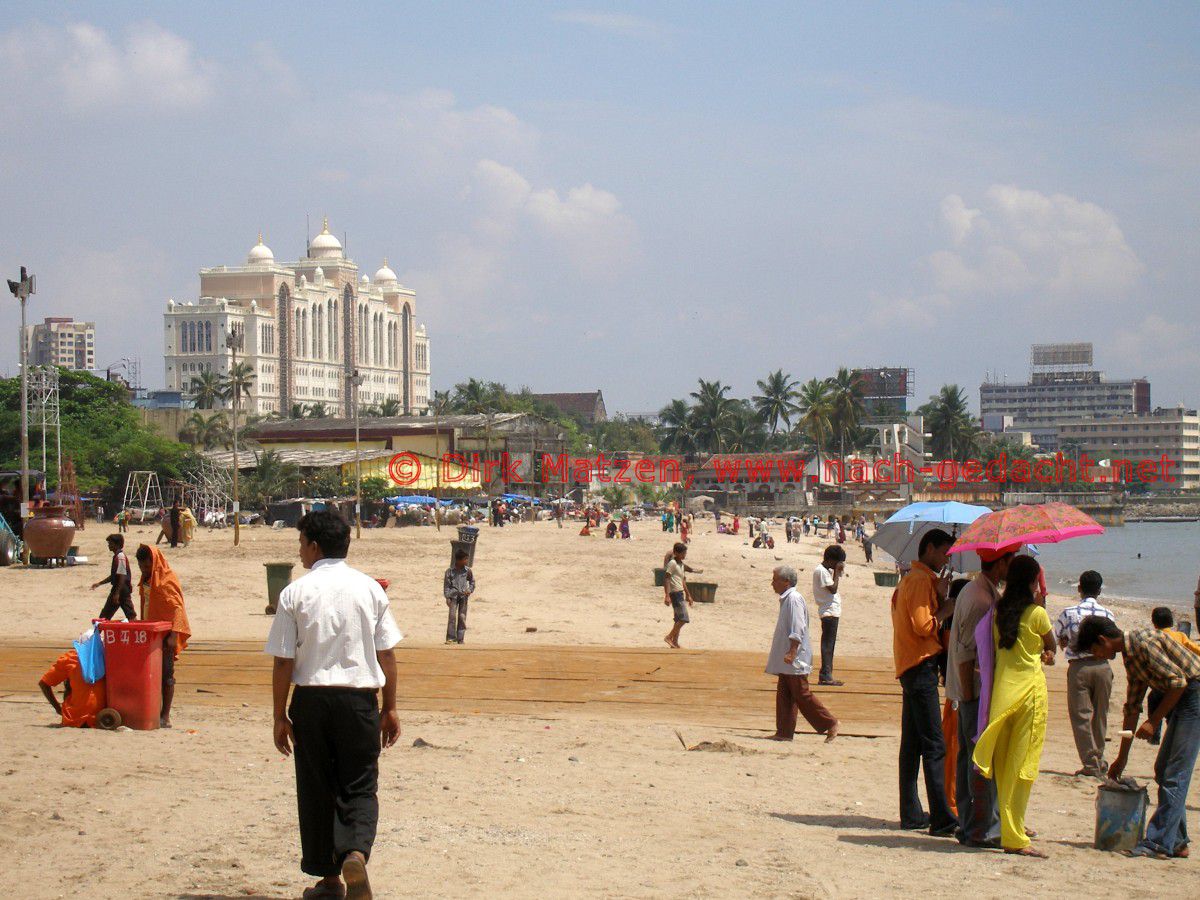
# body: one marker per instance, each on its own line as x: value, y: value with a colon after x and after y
x: 279, y: 576
x: 660, y: 575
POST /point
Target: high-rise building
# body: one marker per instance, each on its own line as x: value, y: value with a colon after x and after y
x: 307, y: 326
x: 1062, y: 386
x: 61, y: 341
x: 1173, y: 433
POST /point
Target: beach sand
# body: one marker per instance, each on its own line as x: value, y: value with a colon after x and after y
x: 516, y: 799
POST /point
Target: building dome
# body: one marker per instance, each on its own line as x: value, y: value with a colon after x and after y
x: 260, y: 254
x: 365, y: 279
x: 318, y: 275
x: 325, y: 245
x: 385, y: 275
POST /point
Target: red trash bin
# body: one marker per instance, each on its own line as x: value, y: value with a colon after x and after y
x: 133, y: 670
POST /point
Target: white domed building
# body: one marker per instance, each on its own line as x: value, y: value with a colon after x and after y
x: 307, y: 326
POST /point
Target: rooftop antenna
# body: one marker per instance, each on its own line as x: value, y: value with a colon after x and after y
x: 307, y: 234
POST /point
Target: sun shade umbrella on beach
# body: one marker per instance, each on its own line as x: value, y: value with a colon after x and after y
x: 1042, y: 523
x: 900, y: 536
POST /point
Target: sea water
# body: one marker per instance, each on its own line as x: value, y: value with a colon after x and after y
x: 1155, y: 562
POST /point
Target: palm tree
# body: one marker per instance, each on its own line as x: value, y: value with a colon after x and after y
x: 207, y: 390
x: 846, y: 393
x: 318, y: 410
x: 441, y: 404
x: 390, y: 407
x: 712, y: 415
x: 205, y: 431
x: 239, y: 381
x: 474, y: 397
x: 947, y: 418
x: 193, y: 430
x: 777, y: 402
x: 675, y: 427
x: 272, y: 478
x: 745, y: 431
x: 816, y: 405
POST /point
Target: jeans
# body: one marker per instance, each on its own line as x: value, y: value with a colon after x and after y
x: 974, y: 794
x: 829, y: 628
x: 336, y: 734
x: 456, y: 621
x: 921, y: 743
x: 1167, y: 829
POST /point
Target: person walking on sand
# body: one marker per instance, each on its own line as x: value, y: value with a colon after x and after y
x: 457, y: 586
x: 790, y: 660
x: 975, y: 796
x: 1010, y: 748
x: 333, y: 638
x: 1089, y: 680
x: 919, y: 607
x: 1153, y: 660
x: 120, y: 594
x: 826, y: 578
x: 677, y: 594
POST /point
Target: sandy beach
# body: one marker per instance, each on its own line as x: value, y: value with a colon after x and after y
x: 518, y: 799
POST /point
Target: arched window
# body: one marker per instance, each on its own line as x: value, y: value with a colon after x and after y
x: 182, y: 328
x: 192, y: 337
x: 208, y: 337
x: 405, y: 360
x: 330, y: 330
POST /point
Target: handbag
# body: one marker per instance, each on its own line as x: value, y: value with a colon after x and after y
x: 91, y: 656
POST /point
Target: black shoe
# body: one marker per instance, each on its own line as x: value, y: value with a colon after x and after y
x: 914, y: 826
x: 993, y: 844
x: 831, y: 682
x: 944, y: 831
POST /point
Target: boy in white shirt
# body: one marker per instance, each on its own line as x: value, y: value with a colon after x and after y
x: 826, y: 578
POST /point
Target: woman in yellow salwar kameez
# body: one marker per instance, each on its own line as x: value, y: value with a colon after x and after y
x: 1010, y: 748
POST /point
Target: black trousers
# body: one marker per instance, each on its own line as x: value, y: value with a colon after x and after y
x: 829, y: 627
x: 124, y: 600
x: 922, y: 745
x: 336, y: 734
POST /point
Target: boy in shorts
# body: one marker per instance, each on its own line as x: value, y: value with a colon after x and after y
x: 676, y: 593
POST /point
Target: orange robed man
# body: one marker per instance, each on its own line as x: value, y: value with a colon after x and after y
x: 81, y: 701
x: 162, y: 601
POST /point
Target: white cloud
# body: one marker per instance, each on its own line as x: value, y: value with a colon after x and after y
x: 1152, y: 341
x: 622, y: 24
x: 86, y: 69
x: 1022, y: 241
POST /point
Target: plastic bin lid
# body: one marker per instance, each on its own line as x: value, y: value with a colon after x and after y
x: 139, y: 625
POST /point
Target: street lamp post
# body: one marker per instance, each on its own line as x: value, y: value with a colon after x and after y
x: 234, y: 341
x: 21, y: 289
x: 356, y: 381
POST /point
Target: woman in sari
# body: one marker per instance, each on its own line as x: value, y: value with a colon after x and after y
x: 1010, y: 748
x: 162, y: 601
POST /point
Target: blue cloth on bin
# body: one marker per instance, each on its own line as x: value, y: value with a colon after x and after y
x: 91, y: 656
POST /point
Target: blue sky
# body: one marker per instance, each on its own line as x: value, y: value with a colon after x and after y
x: 632, y: 197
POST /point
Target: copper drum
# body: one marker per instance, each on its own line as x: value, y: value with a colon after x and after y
x: 49, y: 533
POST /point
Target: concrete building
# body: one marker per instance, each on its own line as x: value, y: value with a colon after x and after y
x: 1062, y: 386
x: 61, y: 341
x: 1174, y: 432
x: 307, y: 326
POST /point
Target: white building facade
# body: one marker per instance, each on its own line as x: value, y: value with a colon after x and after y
x: 307, y: 326
x: 61, y: 341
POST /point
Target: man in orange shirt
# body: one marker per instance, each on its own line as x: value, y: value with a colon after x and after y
x: 81, y: 701
x: 919, y: 608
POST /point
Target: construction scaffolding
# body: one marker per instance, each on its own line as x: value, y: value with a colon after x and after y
x: 207, y: 488
x: 143, y: 495
x: 43, y: 404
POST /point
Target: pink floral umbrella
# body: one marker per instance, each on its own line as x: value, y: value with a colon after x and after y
x: 1042, y: 523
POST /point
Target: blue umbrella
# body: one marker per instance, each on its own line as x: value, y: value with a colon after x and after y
x: 900, y: 536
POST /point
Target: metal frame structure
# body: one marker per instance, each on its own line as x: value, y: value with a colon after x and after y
x: 142, y: 492
x: 43, y: 398
x: 208, y: 487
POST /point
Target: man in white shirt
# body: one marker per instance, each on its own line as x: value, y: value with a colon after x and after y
x: 333, y: 638
x: 790, y: 660
x: 1089, y: 678
x: 826, y: 578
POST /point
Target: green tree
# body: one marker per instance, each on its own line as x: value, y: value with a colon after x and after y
x: 777, y: 401
x: 846, y: 395
x: 319, y: 410
x: 440, y: 404
x: 377, y: 488
x: 239, y: 380
x: 816, y: 412
x: 272, y: 478
x: 207, y: 390
x: 712, y: 415
x: 390, y: 407
x: 948, y: 419
x: 675, y: 431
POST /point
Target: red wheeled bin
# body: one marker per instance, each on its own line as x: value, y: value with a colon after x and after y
x: 133, y: 670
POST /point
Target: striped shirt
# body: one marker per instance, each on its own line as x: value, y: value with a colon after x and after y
x: 1153, y: 660
x: 1066, y: 629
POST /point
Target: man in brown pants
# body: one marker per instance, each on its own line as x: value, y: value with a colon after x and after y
x: 1089, y: 679
x: 791, y: 661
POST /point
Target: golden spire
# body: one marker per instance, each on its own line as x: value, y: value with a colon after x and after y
x: 260, y: 239
x: 325, y: 230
